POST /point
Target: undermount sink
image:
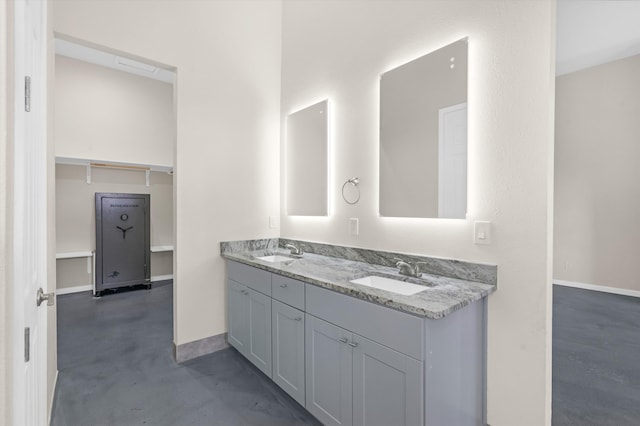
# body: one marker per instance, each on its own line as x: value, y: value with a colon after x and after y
x: 389, y: 284
x: 275, y: 258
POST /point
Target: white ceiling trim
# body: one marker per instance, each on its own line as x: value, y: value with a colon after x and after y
x: 109, y: 60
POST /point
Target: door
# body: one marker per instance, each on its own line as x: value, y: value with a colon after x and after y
x: 288, y: 349
x: 328, y: 364
x: 238, y: 316
x: 29, y: 212
x: 387, y: 386
x: 122, y: 240
x: 259, y: 345
x: 452, y: 162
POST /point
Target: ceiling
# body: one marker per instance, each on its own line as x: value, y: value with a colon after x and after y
x: 589, y: 33
x: 111, y: 60
x: 593, y: 32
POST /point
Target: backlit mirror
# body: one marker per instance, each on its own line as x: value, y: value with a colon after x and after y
x: 423, y: 136
x: 307, y: 160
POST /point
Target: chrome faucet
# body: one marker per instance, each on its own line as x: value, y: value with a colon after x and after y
x: 295, y: 251
x: 405, y: 268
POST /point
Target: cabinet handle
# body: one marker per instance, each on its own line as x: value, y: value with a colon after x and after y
x: 297, y: 319
x: 353, y: 344
x: 343, y: 340
x: 283, y: 286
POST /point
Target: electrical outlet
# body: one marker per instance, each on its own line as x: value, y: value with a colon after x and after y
x: 353, y: 226
x: 274, y: 222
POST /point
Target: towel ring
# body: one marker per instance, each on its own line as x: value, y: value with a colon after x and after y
x: 354, y: 198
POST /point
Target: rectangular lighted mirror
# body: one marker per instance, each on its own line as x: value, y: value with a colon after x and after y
x: 307, y: 151
x: 423, y: 136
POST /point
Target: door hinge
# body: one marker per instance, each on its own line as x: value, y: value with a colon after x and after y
x: 27, y: 344
x: 27, y: 93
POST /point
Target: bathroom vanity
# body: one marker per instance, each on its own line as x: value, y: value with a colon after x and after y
x: 354, y: 354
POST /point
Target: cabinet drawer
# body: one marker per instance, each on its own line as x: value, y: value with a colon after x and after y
x: 288, y: 290
x: 254, y: 278
x: 394, y: 329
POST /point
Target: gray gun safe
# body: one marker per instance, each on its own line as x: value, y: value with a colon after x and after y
x: 122, y: 241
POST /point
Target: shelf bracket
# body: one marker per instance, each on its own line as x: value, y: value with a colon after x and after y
x: 146, y: 176
x: 88, y: 174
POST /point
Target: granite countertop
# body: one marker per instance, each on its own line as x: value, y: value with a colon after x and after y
x: 441, y: 296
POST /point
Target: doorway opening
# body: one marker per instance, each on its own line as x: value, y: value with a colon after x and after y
x: 115, y: 133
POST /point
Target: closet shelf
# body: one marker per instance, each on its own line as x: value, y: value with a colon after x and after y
x: 113, y: 164
x: 158, y: 249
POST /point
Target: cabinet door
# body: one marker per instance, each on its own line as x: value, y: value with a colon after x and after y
x: 387, y: 386
x: 287, y: 327
x: 328, y: 372
x: 238, y: 316
x: 259, y: 344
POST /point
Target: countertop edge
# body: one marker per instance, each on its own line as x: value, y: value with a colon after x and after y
x: 361, y: 295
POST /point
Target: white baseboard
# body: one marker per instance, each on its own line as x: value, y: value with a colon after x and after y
x: 89, y: 287
x: 602, y: 288
x: 161, y: 278
x: 76, y: 289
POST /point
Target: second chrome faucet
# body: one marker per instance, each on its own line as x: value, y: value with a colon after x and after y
x: 405, y: 268
x: 295, y: 251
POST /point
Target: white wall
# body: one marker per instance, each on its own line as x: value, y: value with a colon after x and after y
x: 338, y: 49
x: 227, y: 56
x: 110, y: 115
x: 597, y: 178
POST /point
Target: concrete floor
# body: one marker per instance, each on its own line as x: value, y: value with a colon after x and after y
x: 596, y: 358
x: 116, y: 368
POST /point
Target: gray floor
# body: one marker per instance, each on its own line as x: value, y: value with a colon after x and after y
x: 596, y: 358
x: 116, y: 368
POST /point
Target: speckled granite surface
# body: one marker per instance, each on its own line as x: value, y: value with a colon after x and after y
x: 442, y: 294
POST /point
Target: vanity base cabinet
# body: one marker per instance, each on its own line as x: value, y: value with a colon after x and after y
x: 238, y: 320
x: 406, y: 370
x: 329, y: 372
x: 387, y: 386
x: 288, y: 349
x: 249, y: 317
x: 352, y: 380
x: 455, y: 366
x: 259, y: 352
x: 352, y: 362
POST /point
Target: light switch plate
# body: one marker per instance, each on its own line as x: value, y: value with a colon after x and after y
x: 481, y: 232
x: 353, y: 226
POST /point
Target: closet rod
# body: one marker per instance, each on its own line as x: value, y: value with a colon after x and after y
x: 119, y: 166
